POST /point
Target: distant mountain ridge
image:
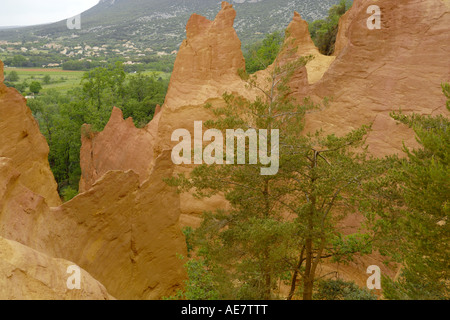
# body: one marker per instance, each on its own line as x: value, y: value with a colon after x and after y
x: 160, y: 24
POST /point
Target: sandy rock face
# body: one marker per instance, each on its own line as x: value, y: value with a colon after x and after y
x: 206, y: 67
x: 26, y: 274
x: 344, y: 23
x: 124, y: 230
x: 22, y: 142
x: 120, y: 146
x: 125, y: 235
x: 401, y: 65
x: 208, y: 60
x: 299, y: 39
x: 19, y: 206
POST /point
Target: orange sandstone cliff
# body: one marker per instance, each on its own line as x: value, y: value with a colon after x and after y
x: 124, y: 142
x: 299, y: 37
x: 26, y: 274
x: 401, y: 65
x: 22, y: 142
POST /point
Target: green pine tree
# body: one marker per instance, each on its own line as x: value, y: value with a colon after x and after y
x: 420, y: 230
x: 280, y: 227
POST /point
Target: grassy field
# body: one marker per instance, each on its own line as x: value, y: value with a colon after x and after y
x: 61, y: 80
x: 163, y: 75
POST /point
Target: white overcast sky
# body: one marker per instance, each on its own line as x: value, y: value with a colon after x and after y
x: 31, y: 12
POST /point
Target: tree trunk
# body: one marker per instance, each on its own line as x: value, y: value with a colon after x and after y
x: 267, y: 291
x: 267, y: 271
x: 308, y: 279
x: 295, y: 275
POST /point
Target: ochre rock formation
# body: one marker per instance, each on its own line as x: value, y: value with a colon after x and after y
x: 129, y: 233
x: 120, y: 146
x: 344, y: 22
x: 26, y: 274
x: 208, y: 60
x: 22, y: 142
x: 157, y: 110
x: 124, y: 228
x: 206, y: 67
x: 401, y: 65
x: 124, y: 234
x: 19, y: 206
x: 299, y: 37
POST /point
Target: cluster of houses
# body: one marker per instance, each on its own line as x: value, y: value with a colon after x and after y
x: 127, y: 50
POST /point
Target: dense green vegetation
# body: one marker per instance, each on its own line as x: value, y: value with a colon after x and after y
x: 61, y: 114
x: 34, y: 60
x: 13, y: 76
x: 414, y: 216
x: 30, y: 60
x: 35, y: 87
x: 324, y: 32
x: 163, y: 64
x: 259, y: 55
x: 337, y: 289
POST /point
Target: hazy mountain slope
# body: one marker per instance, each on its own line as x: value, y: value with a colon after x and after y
x: 160, y: 24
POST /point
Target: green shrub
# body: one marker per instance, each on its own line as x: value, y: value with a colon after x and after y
x: 324, y: 32
x: 35, y: 87
x: 341, y: 290
x: 200, y: 285
x: 13, y: 76
x: 260, y: 55
x: 68, y: 193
